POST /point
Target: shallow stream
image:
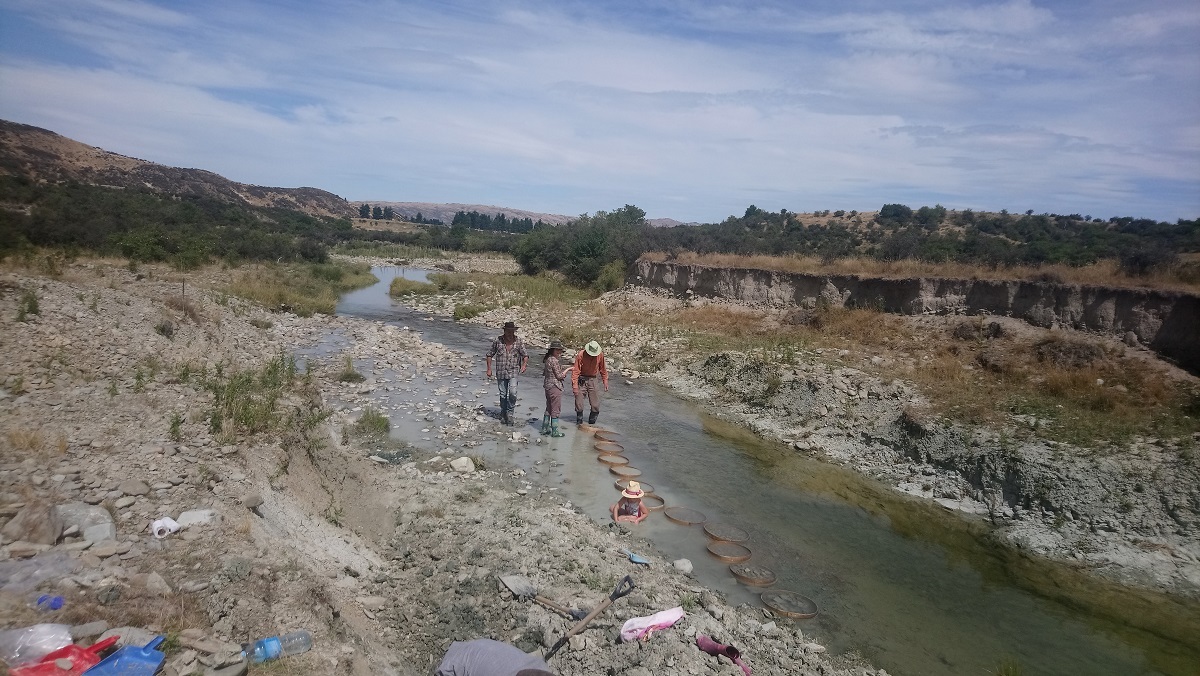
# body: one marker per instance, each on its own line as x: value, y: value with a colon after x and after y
x: 914, y: 589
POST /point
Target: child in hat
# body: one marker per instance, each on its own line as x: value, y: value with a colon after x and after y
x: 629, y: 508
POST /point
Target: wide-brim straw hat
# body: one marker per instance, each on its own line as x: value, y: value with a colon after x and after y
x: 633, y: 490
x: 592, y: 348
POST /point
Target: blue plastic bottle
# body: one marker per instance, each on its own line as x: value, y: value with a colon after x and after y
x: 267, y: 649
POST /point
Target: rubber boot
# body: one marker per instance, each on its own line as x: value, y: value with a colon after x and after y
x: 554, y: 431
x: 546, y: 424
x: 711, y: 647
x: 578, y: 417
x: 592, y: 417
x: 504, y: 414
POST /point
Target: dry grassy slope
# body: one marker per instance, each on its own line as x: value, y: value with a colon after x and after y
x: 46, y: 156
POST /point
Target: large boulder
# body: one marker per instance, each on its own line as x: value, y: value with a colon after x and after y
x: 93, y: 521
x: 37, y: 523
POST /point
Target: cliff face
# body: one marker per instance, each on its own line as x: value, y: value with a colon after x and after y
x: 1166, y: 321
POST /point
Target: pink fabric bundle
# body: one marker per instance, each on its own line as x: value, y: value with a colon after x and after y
x: 641, y: 627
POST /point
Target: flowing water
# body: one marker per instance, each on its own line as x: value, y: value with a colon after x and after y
x: 914, y: 589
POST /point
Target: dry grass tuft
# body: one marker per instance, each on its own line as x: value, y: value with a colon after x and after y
x: 183, y: 306
x: 27, y: 440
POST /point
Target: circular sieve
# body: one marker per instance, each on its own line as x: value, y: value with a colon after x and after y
x: 790, y: 604
x: 729, y: 552
x: 609, y: 447
x: 725, y: 532
x: 613, y: 459
x: 625, y: 471
x: 754, y: 576
x: 653, y: 502
x: 607, y: 435
x: 622, y: 484
x: 684, y: 515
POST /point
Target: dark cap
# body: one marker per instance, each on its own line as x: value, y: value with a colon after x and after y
x: 510, y: 325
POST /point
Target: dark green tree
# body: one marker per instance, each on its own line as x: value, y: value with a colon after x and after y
x: 364, y: 211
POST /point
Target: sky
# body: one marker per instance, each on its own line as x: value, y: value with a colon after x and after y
x: 688, y: 109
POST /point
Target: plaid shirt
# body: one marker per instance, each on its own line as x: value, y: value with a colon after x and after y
x: 508, y: 358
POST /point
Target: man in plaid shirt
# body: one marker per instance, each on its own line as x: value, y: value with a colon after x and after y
x: 511, y: 360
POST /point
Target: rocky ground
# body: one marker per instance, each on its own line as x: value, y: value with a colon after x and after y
x: 129, y: 397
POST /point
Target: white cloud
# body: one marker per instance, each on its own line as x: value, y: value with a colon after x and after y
x: 696, y: 107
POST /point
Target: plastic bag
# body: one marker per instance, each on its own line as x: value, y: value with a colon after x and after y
x: 19, y: 576
x: 30, y: 644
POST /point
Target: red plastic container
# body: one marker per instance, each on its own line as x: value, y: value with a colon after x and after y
x: 81, y: 659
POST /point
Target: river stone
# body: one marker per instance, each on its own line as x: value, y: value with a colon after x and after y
x: 463, y: 464
x: 155, y: 584
x: 104, y: 549
x: 129, y: 636
x: 24, y: 550
x: 682, y: 565
x: 101, y: 532
x: 88, y: 630
x: 133, y: 487
x: 196, y: 517
x: 36, y: 523
x: 251, y: 500
x: 124, y: 502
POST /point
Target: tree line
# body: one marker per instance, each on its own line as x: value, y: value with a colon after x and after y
x: 589, y: 251
x: 386, y: 213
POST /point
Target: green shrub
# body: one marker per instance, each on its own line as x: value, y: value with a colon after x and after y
x: 467, y: 311
x: 372, y: 423
x: 348, y: 374
x: 612, y: 277
x: 407, y: 287
x: 27, y: 306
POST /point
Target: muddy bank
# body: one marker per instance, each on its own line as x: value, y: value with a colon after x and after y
x: 383, y: 551
x: 1166, y: 321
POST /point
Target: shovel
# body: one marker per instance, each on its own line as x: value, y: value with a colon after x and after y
x: 523, y: 589
x: 132, y: 661
x: 623, y: 588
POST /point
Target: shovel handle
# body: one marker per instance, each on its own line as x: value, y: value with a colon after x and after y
x: 552, y: 605
x: 622, y: 589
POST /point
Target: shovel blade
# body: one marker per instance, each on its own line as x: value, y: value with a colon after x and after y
x: 519, y: 585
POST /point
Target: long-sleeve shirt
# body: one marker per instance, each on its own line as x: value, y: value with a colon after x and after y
x: 508, y: 357
x: 553, y: 374
x: 587, y: 366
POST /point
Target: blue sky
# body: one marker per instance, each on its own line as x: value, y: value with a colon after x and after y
x: 688, y: 109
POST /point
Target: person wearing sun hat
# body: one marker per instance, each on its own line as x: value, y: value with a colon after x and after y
x: 511, y: 361
x: 629, y: 508
x: 553, y: 375
x: 589, y: 365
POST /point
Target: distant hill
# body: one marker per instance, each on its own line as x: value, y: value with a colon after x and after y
x: 45, y: 156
